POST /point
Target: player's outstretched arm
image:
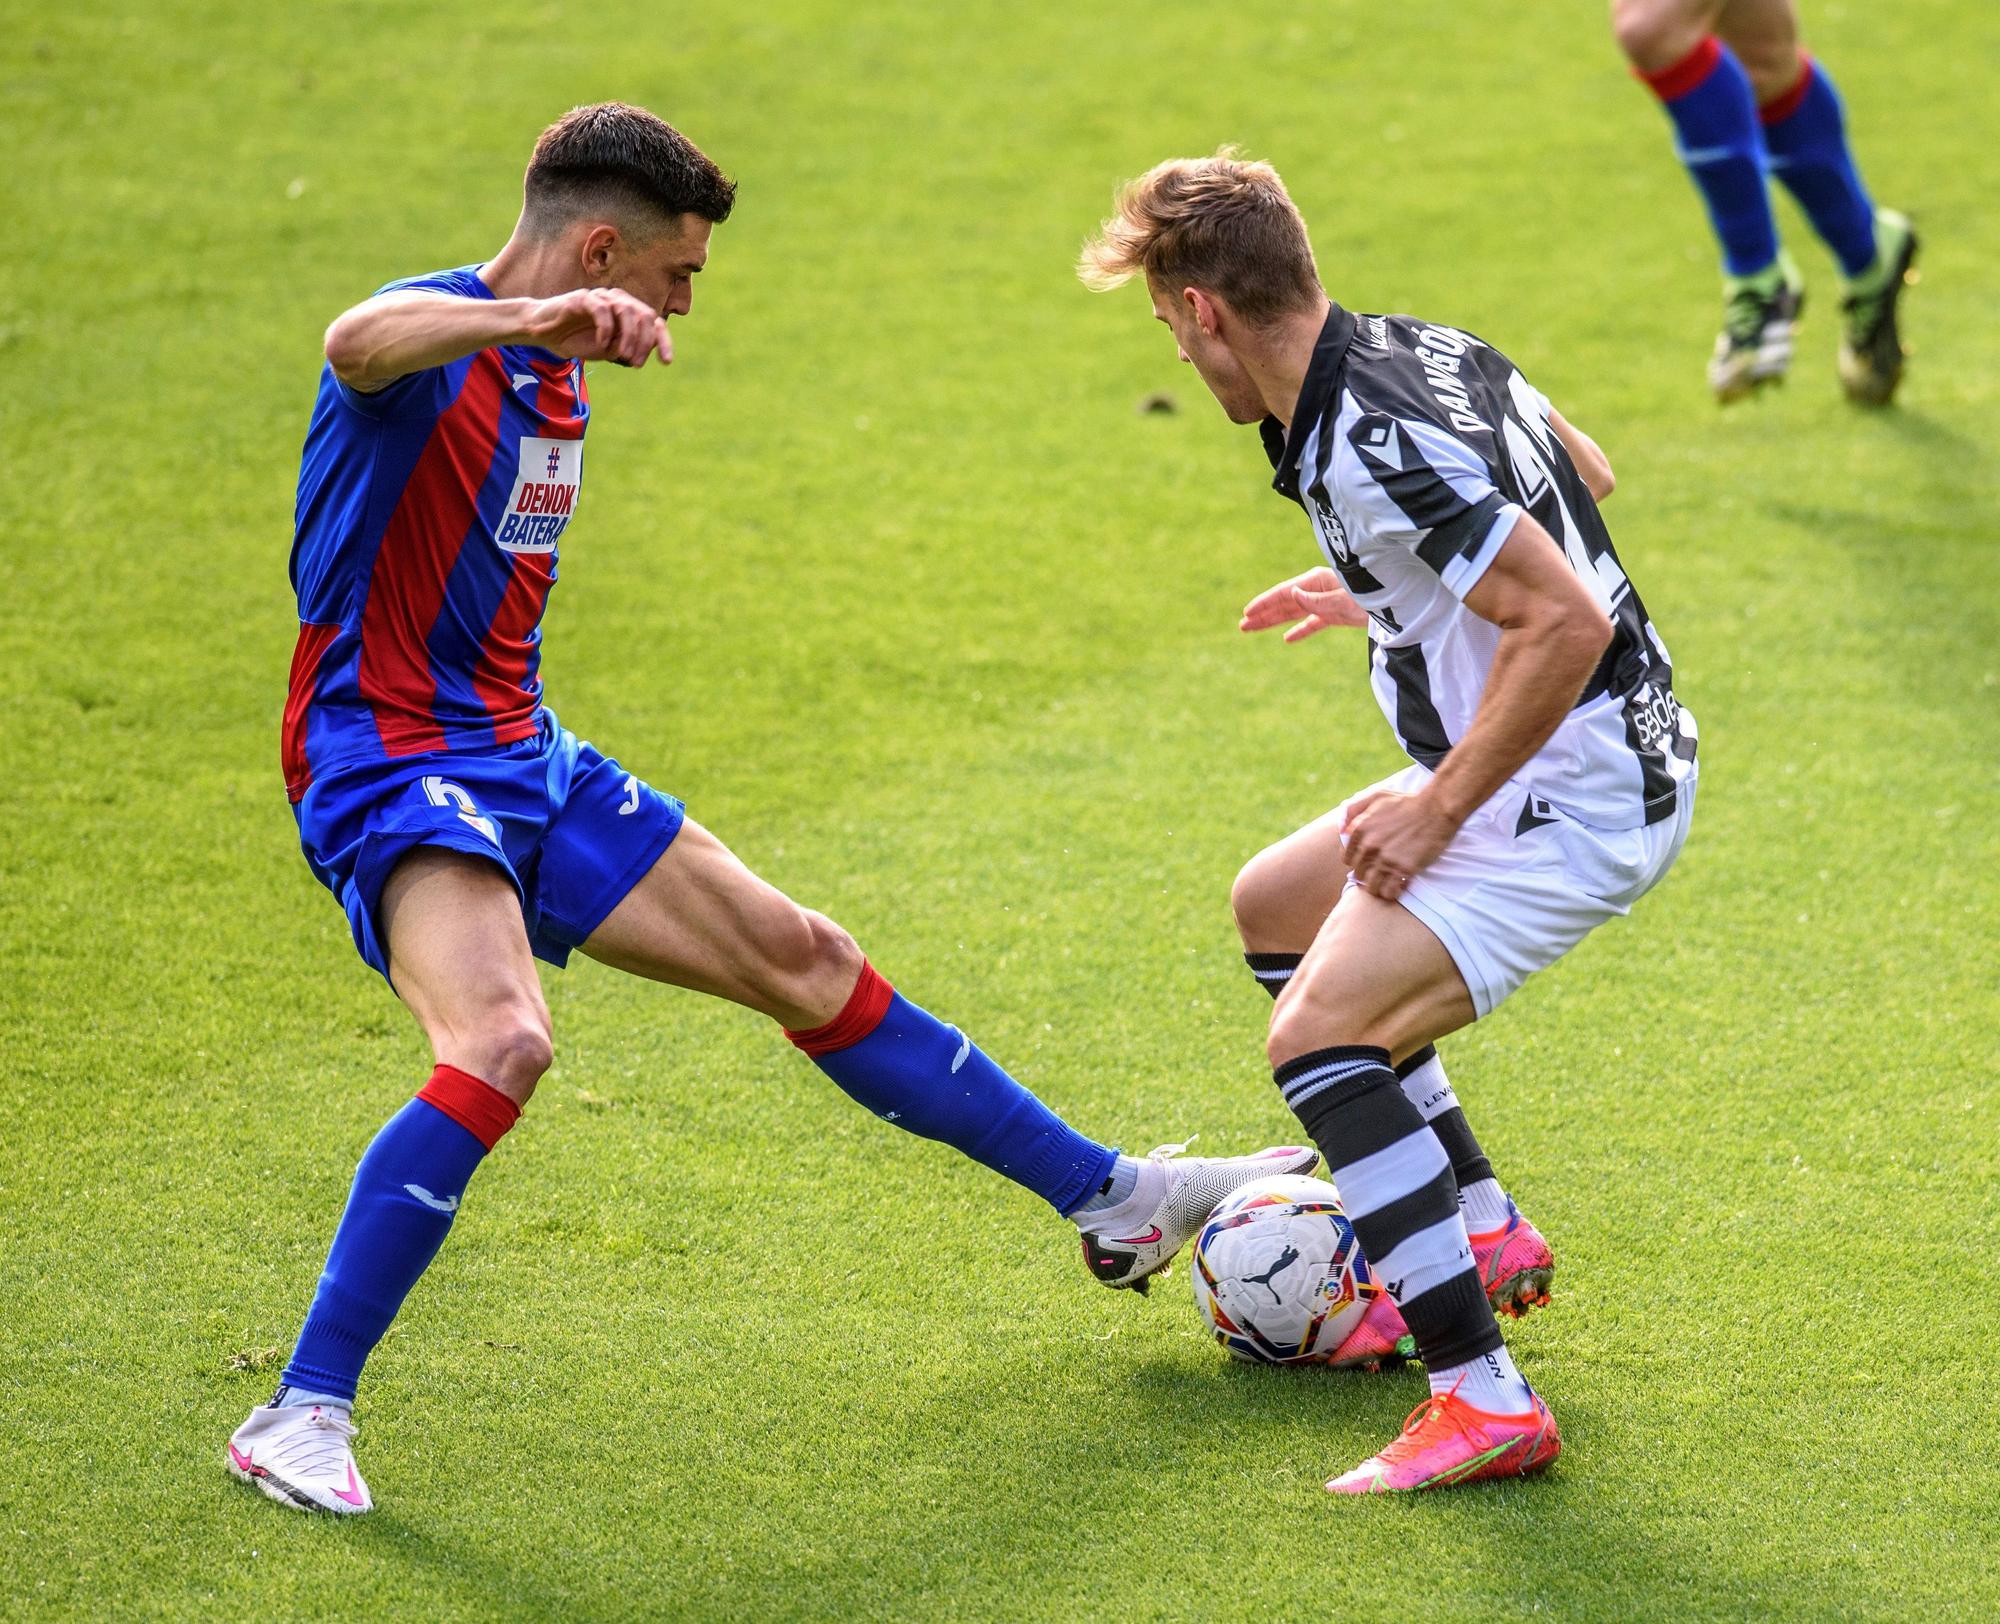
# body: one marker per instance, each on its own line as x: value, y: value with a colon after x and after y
x: 1315, y: 600
x: 1587, y: 454
x: 395, y: 334
x: 1552, y: 634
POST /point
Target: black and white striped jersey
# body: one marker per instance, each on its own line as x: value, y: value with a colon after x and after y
x: 1415, y: 449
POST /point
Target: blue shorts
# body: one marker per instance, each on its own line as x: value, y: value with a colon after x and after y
x: 570, y: 827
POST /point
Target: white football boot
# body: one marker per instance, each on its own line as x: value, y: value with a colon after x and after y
x: 1128, y: 1244
x: 300, y: 1456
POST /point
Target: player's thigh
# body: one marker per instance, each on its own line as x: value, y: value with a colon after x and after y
x: 459, y: 957
x: 1764, y: 34
x: 1283, y: 895
x: 1374, y: 975
x: 1655, y: 34
x: 700, y: 918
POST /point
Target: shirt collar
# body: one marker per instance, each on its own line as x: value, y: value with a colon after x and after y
x: 1321, y: 383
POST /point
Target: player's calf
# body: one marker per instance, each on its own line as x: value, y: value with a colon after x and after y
x: 1514, y: 1260
x: 1515, y: 1264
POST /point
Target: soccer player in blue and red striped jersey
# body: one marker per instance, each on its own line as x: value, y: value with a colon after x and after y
x: 467, y: 832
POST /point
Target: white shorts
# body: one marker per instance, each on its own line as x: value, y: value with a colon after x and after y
x: 1522, y: 883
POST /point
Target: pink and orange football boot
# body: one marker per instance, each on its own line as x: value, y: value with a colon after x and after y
x: 1380, y: 1339
x: 1515, y: 1265
x: 1447, y: 1441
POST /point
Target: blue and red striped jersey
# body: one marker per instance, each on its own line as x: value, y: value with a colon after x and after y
x: 423, y: 551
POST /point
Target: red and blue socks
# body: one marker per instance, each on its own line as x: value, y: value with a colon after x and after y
x: 900, y: 1062
x: 911, y: 1069
x: 406, y: 1192
x: 1714, y: 111
x: 1805, y: 135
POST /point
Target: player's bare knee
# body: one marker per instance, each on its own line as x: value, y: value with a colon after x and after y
x: 511, y: 1049
x: 1250, y: 899
x: 808, y: 967
x: 528, y: 1050
x: 1282, y: 896
x: 1774, y: 67
x: 1655, y: 34
x: 836, y: 960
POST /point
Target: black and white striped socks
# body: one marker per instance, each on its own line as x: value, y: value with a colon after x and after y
x: 1396, y: 1184
x: 1273, y: 970
x: 1480, y: 1195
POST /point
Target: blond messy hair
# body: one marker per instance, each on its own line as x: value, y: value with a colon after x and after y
x: 1221, y: 224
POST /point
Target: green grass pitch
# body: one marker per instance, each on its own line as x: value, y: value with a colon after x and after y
x: 889, y: 579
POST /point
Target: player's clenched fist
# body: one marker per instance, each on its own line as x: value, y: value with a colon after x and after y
x: 600, y: 324
x: 1316, y: 600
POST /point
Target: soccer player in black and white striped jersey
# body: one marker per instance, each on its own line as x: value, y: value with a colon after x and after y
x: 1552, y: 769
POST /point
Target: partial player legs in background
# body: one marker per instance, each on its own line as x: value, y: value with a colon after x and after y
x: 1805, y: 139
x: 1744, y: 98
x: 1709, y: 98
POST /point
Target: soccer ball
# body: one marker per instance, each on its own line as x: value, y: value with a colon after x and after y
x: 1277, y: 1273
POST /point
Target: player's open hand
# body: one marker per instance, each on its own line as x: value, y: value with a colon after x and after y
x: 1389, y: 836
x: 1315, y: 600
x: 600, y: 324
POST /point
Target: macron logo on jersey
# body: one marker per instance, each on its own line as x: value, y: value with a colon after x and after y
x: 545, y: 487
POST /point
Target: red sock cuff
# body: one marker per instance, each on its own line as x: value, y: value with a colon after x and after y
x: 1780, y: 108
x: 859, y: 1016
x: 479, y: 1108
x: 1676, y: 79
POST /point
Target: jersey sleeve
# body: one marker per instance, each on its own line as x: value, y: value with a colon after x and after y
x: 1413, y: 484
x: 415, y: 394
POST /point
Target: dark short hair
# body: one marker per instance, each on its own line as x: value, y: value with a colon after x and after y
x: 612, y: 156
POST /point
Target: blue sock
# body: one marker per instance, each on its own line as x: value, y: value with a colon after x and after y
x: 405, y: 1193
x: 1708, y: 96
x: 909, y: 1068
x: 1806, y: 136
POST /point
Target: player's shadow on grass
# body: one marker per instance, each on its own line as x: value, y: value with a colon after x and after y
x: 463, y: 1571
x: 1284, y: 1432
x: 1929, y: 434
x: 1930, y: 567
